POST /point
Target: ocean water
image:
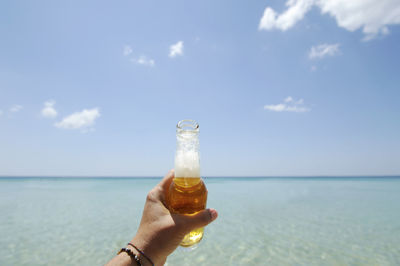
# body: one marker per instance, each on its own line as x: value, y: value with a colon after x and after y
x: 262, y: 221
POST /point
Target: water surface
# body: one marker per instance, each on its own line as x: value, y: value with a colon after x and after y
x: 262, y: 221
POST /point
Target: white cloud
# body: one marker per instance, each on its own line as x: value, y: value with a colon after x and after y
x: 80, y: 120
x: 320, y: 51
x: 295, y: 12
x: 1, y: 112
x: 289, y: 105
x: 48, y: 110
x: 15, y: 108
x: 144, y: 60
x: 127, y: 50
x: 176, y: 49
x: 371, y: 16
x: 275, y: 107
x: 288, y: 99
x: 141, y: 60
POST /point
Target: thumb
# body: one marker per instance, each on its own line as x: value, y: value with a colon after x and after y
x: 200, y: 219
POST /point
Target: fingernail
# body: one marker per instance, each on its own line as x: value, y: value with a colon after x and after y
x: 214, y: 214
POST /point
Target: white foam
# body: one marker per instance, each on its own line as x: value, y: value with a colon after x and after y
x: 187, y: 163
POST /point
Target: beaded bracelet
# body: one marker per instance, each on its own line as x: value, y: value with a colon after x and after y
x: 142, y: 253
x: 130, y: 253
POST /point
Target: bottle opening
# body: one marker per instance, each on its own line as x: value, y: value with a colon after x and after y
x: 187, y: 125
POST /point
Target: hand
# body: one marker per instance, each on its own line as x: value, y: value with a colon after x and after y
x: 160, y: 231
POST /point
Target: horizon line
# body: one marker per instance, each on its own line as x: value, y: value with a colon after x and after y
x: 217, y: 176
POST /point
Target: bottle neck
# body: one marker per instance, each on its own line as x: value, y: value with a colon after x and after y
x: 187, y: 157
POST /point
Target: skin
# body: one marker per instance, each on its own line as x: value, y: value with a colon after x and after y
x: 160, y: 231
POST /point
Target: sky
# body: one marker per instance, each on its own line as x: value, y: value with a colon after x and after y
x: 279, y: 88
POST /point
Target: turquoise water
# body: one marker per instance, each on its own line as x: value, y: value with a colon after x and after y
x: 262, y: 221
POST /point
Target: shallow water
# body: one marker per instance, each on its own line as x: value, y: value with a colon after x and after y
x: 262, y: 221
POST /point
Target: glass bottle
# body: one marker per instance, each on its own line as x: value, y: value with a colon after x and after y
x: 187, y: 193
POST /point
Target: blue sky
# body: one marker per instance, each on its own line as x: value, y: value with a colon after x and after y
x: 302, y: 87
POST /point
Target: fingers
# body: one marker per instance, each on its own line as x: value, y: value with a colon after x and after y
x: 166, y: 181
x: 199, y: 219
x: 159, y: 191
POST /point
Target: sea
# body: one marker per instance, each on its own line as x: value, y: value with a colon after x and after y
x: 262, y: 221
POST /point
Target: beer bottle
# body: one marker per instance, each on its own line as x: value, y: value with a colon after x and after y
x: 187, y: 193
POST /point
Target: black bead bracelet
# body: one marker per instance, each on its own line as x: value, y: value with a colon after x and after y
x: 141, y: 253
x: 130, y: 253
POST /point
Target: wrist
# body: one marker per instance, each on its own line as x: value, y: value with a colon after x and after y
x: 146, y: 251
x: 139, y: 256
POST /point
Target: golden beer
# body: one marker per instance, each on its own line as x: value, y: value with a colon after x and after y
x: 187, y: 193
x: 188, y: 196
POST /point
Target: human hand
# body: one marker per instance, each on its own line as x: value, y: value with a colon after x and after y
x: 160, y: 231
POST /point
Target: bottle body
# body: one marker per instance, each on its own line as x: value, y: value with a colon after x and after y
x: 188, y: 196
x: 187, y: 193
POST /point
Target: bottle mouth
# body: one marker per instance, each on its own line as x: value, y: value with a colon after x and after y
x: 187, y: 125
